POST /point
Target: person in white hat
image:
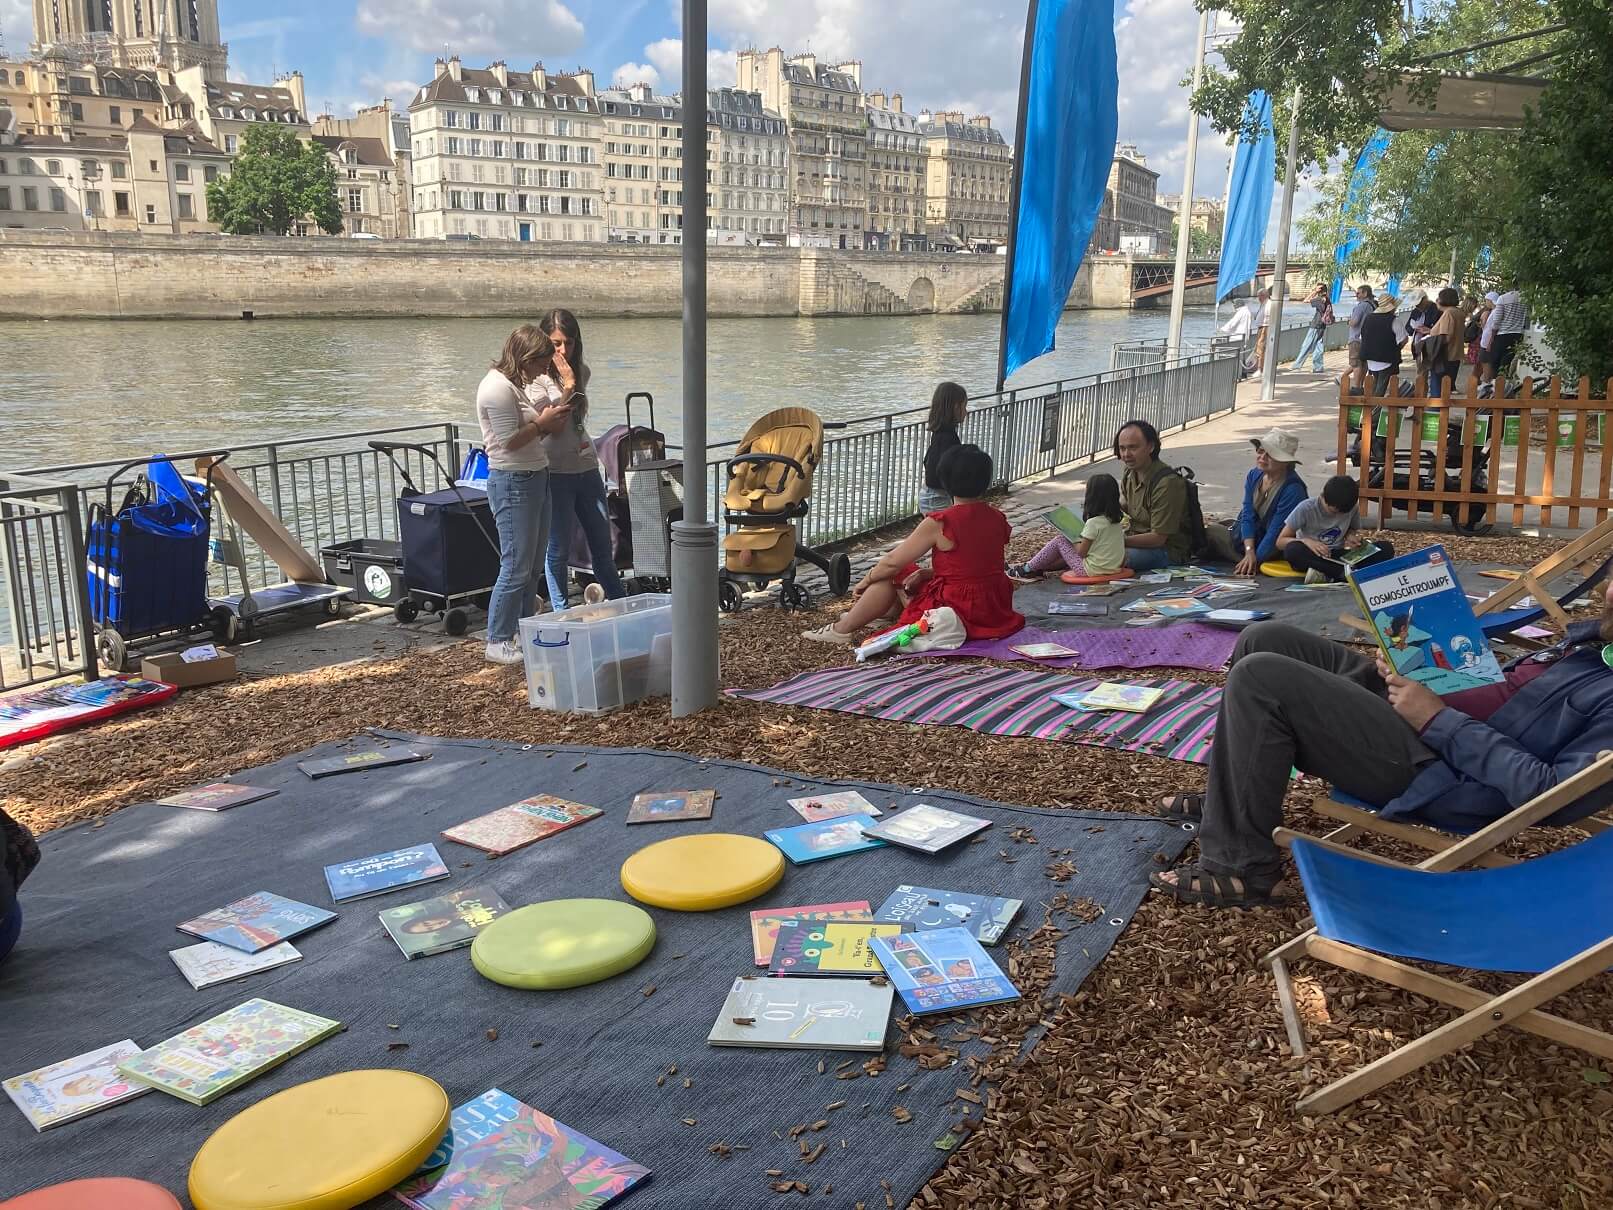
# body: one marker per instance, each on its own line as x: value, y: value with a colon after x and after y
x: 1272, y: 490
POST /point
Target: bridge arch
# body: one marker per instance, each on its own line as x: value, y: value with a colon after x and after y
x: 921, y: 295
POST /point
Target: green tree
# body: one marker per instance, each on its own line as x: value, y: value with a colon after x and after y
x: 277, y: 180
x: 1200, y: 242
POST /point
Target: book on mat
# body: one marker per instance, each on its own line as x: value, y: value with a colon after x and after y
x: 209, y: 963
x: 1068, y: 522
x: 1079, y: 609
x: 828, y: 947
x: 521, y: 823
x: 1045, y: 651
x: 443, y: 922
x: 374, y: 758
x: 226, y: 1051
x: 942, y: 969
x: 926, y: 828
x: 383, y: 872
x: 256, y: 922
x: 1116, y: 695
x: 1423, y: 621
x: 1236, y: 617
x: 827, y: 838
x: 74, y: 1087
x: 1183, y: 609
x: 668, y: 806
x: 815, y: 1014
x: 501, y: 1153
x: 220, y: 796
x: 831, y: 806
x: 1100, y: 590
x: 987, y: 917
x: 764, y: 923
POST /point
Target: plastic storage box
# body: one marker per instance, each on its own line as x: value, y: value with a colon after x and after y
x: 371, y: 567
x: 596, y: 658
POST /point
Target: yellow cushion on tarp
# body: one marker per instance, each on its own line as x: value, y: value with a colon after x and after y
x: 702, y: 873
x: 329, y: 1144
x: 1280, y: 569
x: 563, y: 943
x: 97, y: 1193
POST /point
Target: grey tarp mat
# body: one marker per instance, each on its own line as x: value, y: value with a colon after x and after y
x: 92, y: 966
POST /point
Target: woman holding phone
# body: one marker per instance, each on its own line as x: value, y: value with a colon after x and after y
x: 525, y: 395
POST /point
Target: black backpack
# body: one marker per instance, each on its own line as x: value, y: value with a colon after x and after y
x: 1195, y: 510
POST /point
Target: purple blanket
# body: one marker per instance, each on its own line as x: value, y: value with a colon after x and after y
x: 1177, y: 645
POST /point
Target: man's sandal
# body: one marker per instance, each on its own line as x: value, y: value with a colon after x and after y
x: 1194, y: 884
x: 1182, y: 808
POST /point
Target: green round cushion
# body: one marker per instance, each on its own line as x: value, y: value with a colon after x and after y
x: 563, y: 943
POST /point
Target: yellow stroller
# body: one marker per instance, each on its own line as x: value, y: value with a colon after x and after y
x: 769, y: 489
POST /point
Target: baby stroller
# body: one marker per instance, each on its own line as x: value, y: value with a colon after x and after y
x: 1469, y: 519
x: 769, y: 489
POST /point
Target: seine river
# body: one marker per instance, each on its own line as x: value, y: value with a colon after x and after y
x: 76, y: 391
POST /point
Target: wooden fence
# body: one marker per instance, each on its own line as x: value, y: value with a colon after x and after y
x: 1481, y: 461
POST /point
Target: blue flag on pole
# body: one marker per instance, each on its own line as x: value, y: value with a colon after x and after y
x: 1068, y: 118
x: 1254, y: 175
x: 1366, y: 171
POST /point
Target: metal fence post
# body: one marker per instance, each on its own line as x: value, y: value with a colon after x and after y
x: 889, y: 459
x: 450, y: 433
x: 76, y: 570
x: 274, y: 480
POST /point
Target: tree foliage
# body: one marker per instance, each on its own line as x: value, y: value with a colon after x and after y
x: 1200, y: 241
x: 276, y: 181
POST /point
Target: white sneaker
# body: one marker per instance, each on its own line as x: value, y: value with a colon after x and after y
x: 506, y: 652
x: 593, y: 594
x: 1312, y: 576
x: 828, y: 634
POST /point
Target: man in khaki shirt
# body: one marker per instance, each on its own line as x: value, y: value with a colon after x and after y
x: 1155, y: 500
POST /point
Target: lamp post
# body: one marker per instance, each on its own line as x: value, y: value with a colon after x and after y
x: 1184, y: 222
x: 1279, y: 281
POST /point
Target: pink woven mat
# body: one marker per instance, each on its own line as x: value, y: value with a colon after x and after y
x: 1177, y: 645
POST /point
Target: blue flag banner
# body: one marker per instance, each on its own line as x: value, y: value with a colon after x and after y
x: 1254, y: 175
x: 1366, y: 170
x: 1068, y: 118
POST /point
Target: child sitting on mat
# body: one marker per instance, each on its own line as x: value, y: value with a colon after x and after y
x: 1101, y: 550
x: 1322, y: 528
x: 965, y: 544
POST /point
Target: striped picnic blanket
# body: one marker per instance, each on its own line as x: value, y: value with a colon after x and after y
x: 1007, y: 701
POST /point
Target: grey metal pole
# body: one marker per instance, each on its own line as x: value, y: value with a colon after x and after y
x: 1279, y: 281
x: 1184, y: 221
x: 694, y: 539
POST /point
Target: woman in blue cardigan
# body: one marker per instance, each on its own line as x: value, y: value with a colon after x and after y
x: 1272, y: 490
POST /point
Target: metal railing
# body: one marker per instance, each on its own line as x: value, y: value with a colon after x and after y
x: 46, y: 599
x: 1125, y: 354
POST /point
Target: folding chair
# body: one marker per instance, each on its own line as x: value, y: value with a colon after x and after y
x: 1551, y: 917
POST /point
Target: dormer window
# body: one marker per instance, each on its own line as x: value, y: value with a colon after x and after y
x: 224, y: 111
x: 270, y: 115
x: 473, y: 94
x: 582, y: 104
x: 250, y: 114
x: 494, y: 97
x: 560, y: 102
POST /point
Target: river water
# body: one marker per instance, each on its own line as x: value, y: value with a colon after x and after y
x: 83, y: 390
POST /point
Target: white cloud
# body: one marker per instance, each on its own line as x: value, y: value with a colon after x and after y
x: 17, y: 26
x: 401, y: 91
x: 635, y: 73
x: 484, y: 29
x: 666, y: 55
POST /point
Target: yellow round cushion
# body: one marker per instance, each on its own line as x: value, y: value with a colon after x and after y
x: 563, y: 943
x: 702, y: 873
x: 329, y: 1144
x: 1280, y: 569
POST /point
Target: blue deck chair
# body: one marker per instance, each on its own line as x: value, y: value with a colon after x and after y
x: 1591, y: 553
x: 1550, y: 918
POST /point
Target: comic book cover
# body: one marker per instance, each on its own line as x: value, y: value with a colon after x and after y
x: 519, y: 824
x: 926, y: 828
x: 807, y: 947
x: 385, y: 872
x: 987, y: 917
x: 444, y: 922
x: 374, y: 758
x: 819, y: 807
x: 1424, y: 622
x: 764, y: 923
x: 941, y: 970
x: 74, y: 1087
x: 668, y: 806
x: 209, y: 963
x: 829, y: 838
x: 220, y: 796
x: 820, y: 1014
x: 226, y: 1051
x: 256, y: 922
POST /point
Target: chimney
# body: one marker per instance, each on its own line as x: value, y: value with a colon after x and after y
x: 980, y: 120
x: 585, y: 77
x: 441, y: 67
x: 852, y: 68
x: 639, y: 92
x: 896, y: 101
x: 454, y: 68
x: 540, y: 78
x: 298, y: 97
x: 501, y: 73
x: 875, y: 100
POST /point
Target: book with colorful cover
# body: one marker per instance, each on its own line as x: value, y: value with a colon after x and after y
x: 209, y: 963
x: 941, y: 970
x: 255, y: 923
x: 1117, y: 695
x: 923, y: 908
x: 226, y: 1051
x: 827, y: 838
x: 374, y: 758
x: 815, y: 1014
x: 667, y: 806
x: 827, y: 947
x: 383, y: 872
x: 1077, y: 609
x: 1366, y: 547
x: 444, y: 922
x: 220, y: 796
x: 1068, y: 522
x: 74, y: 1087
x: 832, y: 806
x: 1045, y: 651
x: 519, y: 824
x: 1172, y: 609
x: 927, y: 829
x: 1424, y: 622
x: 764, y: 923
x: 500, y: 1154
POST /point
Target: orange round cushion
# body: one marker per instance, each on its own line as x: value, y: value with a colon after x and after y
x: 99, y: 1193
x: 1125, y: 573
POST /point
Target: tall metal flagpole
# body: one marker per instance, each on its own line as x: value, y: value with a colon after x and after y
x: 1184, y: 222
x: 1013, y: 191
x: 694, y: 539
x: 1279, y: 281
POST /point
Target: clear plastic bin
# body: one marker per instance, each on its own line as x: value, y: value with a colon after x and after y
x: 595, y: 658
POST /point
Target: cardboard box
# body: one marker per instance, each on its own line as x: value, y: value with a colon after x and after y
x: 170, y: 668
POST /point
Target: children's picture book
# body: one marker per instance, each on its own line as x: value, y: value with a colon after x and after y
x: 926, y: 828
x: 75, y: 1087
x: 444, y: 922
x: 1364, y: 548
x: 1045, y: 651
x: 764, y: 923
x: 1077, y: 609
x: 942, y: 969
x: 255, y: 923
x: 385, y: 872
x: 831, y: 806
x: 351, y: 762
x: 987, y: 917
x: 827, y: 947
x: 1236, y: 618
x: 1423, y: 622
x: 827, y: 838
x: 668, y: 806
x: 220, y: 796
x: 519, y: 824
x: 209, y: 963
x: 500, y: 1154
x: 226, y: 1051
x: 1100, y: 590
x: 1067, y: 521
x: 804, y: 1014
x: 1116, y: 695
x: 1180, y: 609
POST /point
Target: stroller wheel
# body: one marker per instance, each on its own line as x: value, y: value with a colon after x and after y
x: 333, y: 607
x: 839, y: 575
x: 794, y: 596
x: 728, y: 596
x: 455, y: 622
x: 111, y: 649
x: 406, y: 610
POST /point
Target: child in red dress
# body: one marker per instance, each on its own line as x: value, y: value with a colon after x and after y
x: 966, y: 543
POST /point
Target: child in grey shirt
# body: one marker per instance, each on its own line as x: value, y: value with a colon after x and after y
x: 1320, y: 532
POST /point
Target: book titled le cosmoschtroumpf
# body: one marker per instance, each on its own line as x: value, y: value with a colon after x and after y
x: 1424, y: 622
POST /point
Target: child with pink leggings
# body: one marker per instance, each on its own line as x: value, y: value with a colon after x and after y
x: 1101, y: 549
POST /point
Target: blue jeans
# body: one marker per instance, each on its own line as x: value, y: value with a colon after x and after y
x: 573, y: 498
x: 933, y: 500
x: 10, y: 927
x: 1150, y: 558
x: 520, y: 502
x: 1314, y: 340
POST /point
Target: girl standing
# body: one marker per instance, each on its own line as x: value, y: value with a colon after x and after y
x: 948, y: 406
